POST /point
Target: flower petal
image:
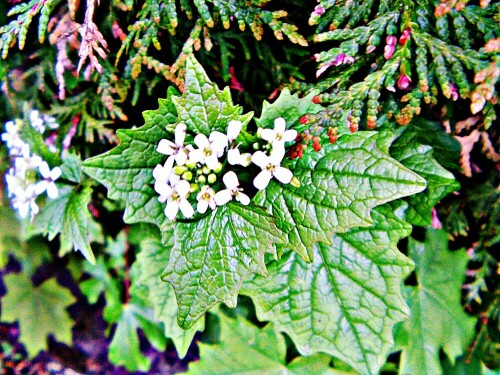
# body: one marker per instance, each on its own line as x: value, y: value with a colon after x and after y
x: 261, y: 159
x: 41, y: 186
x: 182, y: 188
x: 279, y: 125
x: 233, y: 156
x: 222, y: 197
x: 166, y: 147
x: 231, y: 180
x: 181, y: 157
x: 196, y: 156
x: 219, y: 140
x: 268, y: 135
x: 55, y: 173
x: 171, y: 209
x: 201, y: 141
x: 289, y: 135
x: 262, y: 179
x: 180, y: 133
x: 243, y: 198
x: 283, y: 175
x: 233, y: 129
x: 52, y: 192
x: 44, y: 169
x: 277, y: 154
x: 202, y: 206
x: 186, y: 208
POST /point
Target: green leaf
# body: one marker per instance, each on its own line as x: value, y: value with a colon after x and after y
x: 152, y: 261
x: 419, y: 158
x: 246, y: 349
x: 438, y: 320
x: 339, y: 187
x: 69, y: 215
x: 290, y: 107
x: 346, y: 302
x: 9, y: 236
x: 41, y: 311
x: 203, y: 107
x: 124, y: 349
x: 127, y: 170
x: 71, y: 168
x: 211, y: 257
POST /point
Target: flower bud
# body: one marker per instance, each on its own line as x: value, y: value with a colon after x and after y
x: 295, y: 182
x: 218, y: 168
x: 202, y: 179
x: 206, y: 170
x: 179, y: 169
x: 188, y: 175
x: 212, y: 177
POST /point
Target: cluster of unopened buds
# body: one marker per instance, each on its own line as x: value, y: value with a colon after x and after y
x: 194, y: 170
x: 29, y: 175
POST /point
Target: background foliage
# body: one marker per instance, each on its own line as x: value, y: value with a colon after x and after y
x: 383, y: 260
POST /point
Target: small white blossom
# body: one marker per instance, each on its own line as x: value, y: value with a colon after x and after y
x: 177, y: 149
x: 178, y: 200
x: 11, y: 137
x: 270, y: 168
x: 47, y: 184
x: 15, y: 183
x: 209, y: 149
x: 36, y: 121
x: 50, y: 122
x: 25, y: 161
x: 206, y: 198
x: 165, y: 179
x: 279, y: 135
x: 232, y: 189
x: 24, y: 202
x: 234, y: 157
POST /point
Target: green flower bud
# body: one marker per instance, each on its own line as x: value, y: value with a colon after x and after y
x: 202, y: 179
x: 218, y: 168
x: 193, y: 188
x: 191, y: 165
x: 256, y: 146
x: 206, y: 170
x: 188, y: 175
x: 212, y: 177
x: 179, y: 169
x: 295, y: 182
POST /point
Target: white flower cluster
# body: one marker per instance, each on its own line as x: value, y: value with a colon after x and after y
x: 29, y: 175
x: 194, y: 169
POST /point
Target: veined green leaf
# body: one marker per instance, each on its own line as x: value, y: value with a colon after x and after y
x: 346, y: 302
x: 339, y: 187
x: 438, y: 320
x: 211, y: 257
x: 152, y: 261
x: 40, y: 310
x: 246, y: 349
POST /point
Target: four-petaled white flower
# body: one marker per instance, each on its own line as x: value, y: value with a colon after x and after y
x: 232, y: 190
x: 11, y: 137
x: 209, y: 149
x: 165, y: 179
x: 47, y: 184
x: 177, y: 199
x: 24, y: 202
x: 36, y: 121
x: 205, y: 199
x: 26, y: 161
x: 177, y: 150
x: 279, y: 135
x: 270, y: 168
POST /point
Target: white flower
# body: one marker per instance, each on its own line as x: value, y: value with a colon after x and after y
x: 165, y: 179
x: 209, y: 149
x: 11, y: 137
x: 37, y: 121
x: 47, y: 184
x: 270, y: 168
x: 177, y: 149
x: 178, y: 200
x: 25, y: 161
x: 232, y: 189
x: 50, y: 122
x: 205, y: 198
x: 24, y: 202
x: 234, y: 157
x: 233, y: 130
x: 15, y: 183
x: 278, y: 135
